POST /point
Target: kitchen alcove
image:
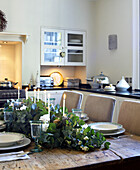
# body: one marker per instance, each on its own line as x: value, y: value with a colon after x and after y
x: 11, y: 55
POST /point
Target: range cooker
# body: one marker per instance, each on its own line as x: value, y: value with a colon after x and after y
x: 6, y: 94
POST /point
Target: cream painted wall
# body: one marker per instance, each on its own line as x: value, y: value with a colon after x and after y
x: 18, y: 64
x: 113, y: 17
x: 66, y: 71
x: 28, y: 16
x: 7, y: 60
x: 11, y: 62
x: 99, y: 18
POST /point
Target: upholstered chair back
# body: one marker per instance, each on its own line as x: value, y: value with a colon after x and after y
x: 99, y: 109
x: 73, y: 100
x: 129, y: 116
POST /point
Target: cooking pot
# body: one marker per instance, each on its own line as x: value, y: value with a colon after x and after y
x: 7, y: 84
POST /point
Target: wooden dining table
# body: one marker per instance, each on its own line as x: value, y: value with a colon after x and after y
x: 124, y: 153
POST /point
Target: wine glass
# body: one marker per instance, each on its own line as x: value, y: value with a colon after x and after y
x: 36, y: 129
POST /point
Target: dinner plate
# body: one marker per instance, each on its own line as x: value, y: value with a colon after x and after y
x: 1, y: 122
x: 118, y: 132
x: 25, y: 142
x: 10, y: 138
x: 2, y: 126
x: 105, y: 126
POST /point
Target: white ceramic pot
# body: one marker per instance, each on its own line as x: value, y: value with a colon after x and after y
x: 122, y: 85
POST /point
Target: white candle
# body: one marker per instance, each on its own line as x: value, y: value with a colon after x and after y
x: 34, y: 96
x: 38, y: 94
x: 64, y: 98
x: 18, y: 92
x: 45, y: 96
x: 49, y: 105
x: 26, y: 90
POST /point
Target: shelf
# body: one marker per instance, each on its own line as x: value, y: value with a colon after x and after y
x: 75, y: 53
x: 24, y: 35
x: 74, y: 43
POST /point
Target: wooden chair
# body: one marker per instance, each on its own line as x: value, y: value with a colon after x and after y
x: 73, y: 100
x: 99, y: 109
x: 129, y: 116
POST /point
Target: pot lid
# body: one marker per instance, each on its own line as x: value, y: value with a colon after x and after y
x: 100, y: 75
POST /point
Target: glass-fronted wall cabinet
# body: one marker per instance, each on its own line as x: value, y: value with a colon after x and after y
x: 75, y: 48
x: 62, y: 47
x: 52, y: 44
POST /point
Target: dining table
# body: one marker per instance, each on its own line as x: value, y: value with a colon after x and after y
x: 123, y: 153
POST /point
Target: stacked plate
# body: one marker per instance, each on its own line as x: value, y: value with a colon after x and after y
x: 2, y: 125
x: 10, y: 140
x: 108, y: 128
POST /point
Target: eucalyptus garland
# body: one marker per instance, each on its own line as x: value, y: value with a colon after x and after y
x: 67, y: 131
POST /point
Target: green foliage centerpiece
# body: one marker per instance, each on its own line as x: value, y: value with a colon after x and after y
x: 59, y: 131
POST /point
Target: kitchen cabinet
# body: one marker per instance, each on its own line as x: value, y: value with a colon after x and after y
x: 63, y: 47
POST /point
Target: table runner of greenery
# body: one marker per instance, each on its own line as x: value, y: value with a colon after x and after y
x: 62, y: 131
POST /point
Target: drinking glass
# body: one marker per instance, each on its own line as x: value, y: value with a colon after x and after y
x: 36, y: 129
x: 78, y: 112
x: 8, y: 117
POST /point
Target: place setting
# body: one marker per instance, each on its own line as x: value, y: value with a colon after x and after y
x: 108, y: 128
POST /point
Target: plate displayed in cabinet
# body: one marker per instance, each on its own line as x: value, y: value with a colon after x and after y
x: 75, y: 41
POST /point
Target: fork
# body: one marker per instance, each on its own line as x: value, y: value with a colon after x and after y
x: 121, y: 136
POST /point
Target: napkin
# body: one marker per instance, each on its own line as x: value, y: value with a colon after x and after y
x: 12, y: 156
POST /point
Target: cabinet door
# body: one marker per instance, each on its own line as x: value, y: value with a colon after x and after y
x: 75, y: 48
x: 52, y: 43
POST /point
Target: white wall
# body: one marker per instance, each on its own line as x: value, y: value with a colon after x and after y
x: 7, y: 62
x: 113, y: 17
x: 28, y: 16
x: 99, y: 18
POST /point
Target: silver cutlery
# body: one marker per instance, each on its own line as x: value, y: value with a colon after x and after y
x: 22, y: 154
x: 121, y: 136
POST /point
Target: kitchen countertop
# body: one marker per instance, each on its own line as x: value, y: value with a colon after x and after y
x: 129, y: 94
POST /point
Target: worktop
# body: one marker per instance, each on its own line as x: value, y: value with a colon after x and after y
x: 129, y: 94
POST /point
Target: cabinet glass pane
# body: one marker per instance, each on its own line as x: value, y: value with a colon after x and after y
x: 53, y: 38
x: 75, y: 40
x: 51, y: 55
x: 75, y: 55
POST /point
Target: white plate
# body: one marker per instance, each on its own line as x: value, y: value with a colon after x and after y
x: 2, y: 126
x: 109, y: 90
x: 105, y: 126
x: 120, y: 131
x: 1, y: 122
x: 75, y: 40
x: 25, y: 142
x: 10, y: 138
